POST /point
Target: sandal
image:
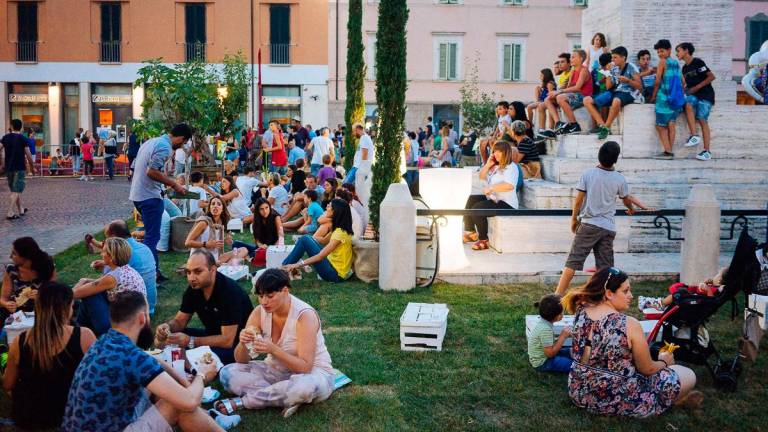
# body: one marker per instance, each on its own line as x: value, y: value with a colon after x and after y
x: 227, y: 405
x: 470, y: 237
x: 480, y: 245
x: 226, y: 422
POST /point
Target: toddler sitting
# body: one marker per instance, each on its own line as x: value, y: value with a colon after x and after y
x: 709, y: 288
x: 544, y: 353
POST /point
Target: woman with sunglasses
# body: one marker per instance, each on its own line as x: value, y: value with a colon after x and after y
x: 613, y: 372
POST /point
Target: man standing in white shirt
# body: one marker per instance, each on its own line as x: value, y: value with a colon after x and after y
x: 320, y: 146
x: 365, y: 157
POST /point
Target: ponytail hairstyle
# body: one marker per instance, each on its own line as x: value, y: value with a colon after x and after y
x: 53, y: 309
x: 350, y: 187
x: 41, y: 262
x: 593, y: 292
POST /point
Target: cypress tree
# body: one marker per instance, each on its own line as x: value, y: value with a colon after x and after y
x: 391, y: 84
x: 354, y: 112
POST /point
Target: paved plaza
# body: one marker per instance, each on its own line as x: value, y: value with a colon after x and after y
x: 62, y: 211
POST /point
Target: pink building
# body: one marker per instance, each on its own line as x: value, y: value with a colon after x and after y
x: 750, y: 30
x: 512, y: 40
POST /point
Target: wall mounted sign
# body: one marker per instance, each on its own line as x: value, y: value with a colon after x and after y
x: 27, y: 98
x: 116, y: 99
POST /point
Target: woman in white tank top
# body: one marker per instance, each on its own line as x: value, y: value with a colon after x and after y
x: 298, y: 367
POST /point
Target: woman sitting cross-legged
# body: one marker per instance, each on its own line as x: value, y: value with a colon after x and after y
x: 267, y: 228
x: 96, y: 294
x: 613, y: 372
x: 42, y: 361
x: 331, y: 256
x: 210, y: 233
x: 298, y: 367
x: 500, y: 174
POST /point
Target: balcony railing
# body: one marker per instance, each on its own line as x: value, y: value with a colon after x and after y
x: 194, y: 51
x: 26, y: 51
x: 280, y: 53
x: 110, y: 52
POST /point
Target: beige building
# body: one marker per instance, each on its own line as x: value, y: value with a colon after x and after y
x: 66, y: 64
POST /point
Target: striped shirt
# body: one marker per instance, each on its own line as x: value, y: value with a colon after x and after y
x: 529, y: 150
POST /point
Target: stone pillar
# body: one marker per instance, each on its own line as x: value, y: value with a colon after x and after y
x: 700, y: 251
x: 138, y: 98
x: 55, y: 118
x: 85, y: 106
x: 5, y: 121
x: 397, y: 248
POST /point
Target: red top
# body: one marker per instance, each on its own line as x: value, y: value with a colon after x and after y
x: 586, y: 88
x: 87, y: 149
x: 279, y: 157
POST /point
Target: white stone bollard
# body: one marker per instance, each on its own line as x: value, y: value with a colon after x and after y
x: 700, y: 251
x: 397, y: 245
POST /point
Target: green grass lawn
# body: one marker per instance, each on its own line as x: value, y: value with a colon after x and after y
x: 481, y: 381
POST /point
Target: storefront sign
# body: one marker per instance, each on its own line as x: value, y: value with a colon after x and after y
x: 27, y: 98
x: 105, y: 117
x: 281, y: 100
x: 115, y: 99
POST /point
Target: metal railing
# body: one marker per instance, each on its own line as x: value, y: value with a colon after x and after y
x: 110, y: 52
x: 280, y: 53
x: 26, y: 51
x: 194, y: 51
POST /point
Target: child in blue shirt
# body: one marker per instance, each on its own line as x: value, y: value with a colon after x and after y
x: 544, y: 353
x: 314, y: 211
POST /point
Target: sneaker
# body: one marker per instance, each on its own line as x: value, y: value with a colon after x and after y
x: 594, y: 130
x: 649, y: 303
x: 82, y: 178
x: 603, y: 132
x: 704, y: 155
x: 559, y: 125
x: 664, y: 156
x: 571, y: 129
x: 693, y: 141
x: 547, y: 134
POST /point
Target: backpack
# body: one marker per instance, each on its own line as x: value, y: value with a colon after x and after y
x: 676, y: 95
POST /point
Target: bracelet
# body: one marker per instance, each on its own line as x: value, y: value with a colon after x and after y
x: 204, y: 246
x: 665, y: 363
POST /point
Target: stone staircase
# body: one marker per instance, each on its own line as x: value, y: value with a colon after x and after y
x: 738, y: 173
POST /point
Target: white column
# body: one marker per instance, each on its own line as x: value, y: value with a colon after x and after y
x: 397, y: 248
x: 138, y: 99
x: 4, y: 108
x: 85, y: 106
x: 55, y: 118
x: 700, y: 251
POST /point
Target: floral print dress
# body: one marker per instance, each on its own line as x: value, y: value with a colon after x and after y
x: 607, y: 382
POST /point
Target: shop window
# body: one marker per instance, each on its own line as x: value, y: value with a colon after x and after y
x: 26, y: 46
x: 110, y: 32
x: 194, y: 38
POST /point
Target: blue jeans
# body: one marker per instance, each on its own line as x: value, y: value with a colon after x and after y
x: 282, y: 170
x: 94, y: 313
x: 561, y: 362
x: 76, y: 164
x: 226, y: 355
x: 110, y: 161
x: 152, y: 214
x: 315, y: 168
x: 251, y: 248
x: 351, y: 175
x: 307, y: 245
x: 172, y: 209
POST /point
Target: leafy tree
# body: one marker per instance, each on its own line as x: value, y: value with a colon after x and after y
x: 391, y: 84
x: 478, y: 109
x: 189, y: 92
x: 355, y: 107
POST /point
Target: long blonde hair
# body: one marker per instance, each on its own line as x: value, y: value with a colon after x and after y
x: 52, y: 314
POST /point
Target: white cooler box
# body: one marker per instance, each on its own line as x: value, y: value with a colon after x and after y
x: 276, y: 255
x: 423, y: 326
x: 235, y: 272
x: 235, y: 225
x: 758, y: 303
x: 531, y: 320
x: 22, y: 321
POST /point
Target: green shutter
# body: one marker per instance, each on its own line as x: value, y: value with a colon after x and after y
x: 453, y: 62
x: 517, y: 48
x: 758, y: 32
x: 443, y: 62
x: 506, y: 74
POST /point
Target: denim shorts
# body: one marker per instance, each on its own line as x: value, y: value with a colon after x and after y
x: 605, y: 99
x: 16, y: 181
x: 575, y: 100
x: 665, y: 119
x: 700, y: 106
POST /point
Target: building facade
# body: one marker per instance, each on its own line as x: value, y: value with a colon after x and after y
x: 67, y: 64
x: 511, y: 40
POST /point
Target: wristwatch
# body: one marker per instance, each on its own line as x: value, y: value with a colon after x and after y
x: 191, y: 344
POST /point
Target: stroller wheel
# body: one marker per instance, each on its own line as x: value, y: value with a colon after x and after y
x: 725, y: 382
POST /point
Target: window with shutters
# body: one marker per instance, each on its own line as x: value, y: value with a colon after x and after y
x: 280, y: 34
x: 579, y: 3
x: 447, y: 61
x: 757, y: 33
x: 110, y: 32
x: 448, y: 1
x: 26, y: 45
x: 511, y: 60
x: 513, y: 2
x: 194, y: 34
x: 370, y: 57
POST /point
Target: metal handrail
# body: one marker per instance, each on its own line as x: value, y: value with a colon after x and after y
x: 194, y: 51
x: 280, y: 53
x: 26, y: 51
x: 110, y: 52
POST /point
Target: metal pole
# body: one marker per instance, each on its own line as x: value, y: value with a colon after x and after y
x: 253, y: 113
x: 261, y: 108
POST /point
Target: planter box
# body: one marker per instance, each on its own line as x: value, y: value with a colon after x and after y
x: 423, y: 327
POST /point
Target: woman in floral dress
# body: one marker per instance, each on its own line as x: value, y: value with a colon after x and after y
x: 613, y: 372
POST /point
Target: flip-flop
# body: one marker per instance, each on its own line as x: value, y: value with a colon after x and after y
x: 226, y: 422
x: 480, y: 245
x: 230, y: 405
x: 14, y: 217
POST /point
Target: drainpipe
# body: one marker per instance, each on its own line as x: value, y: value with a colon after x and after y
x: 253, y: 111
x: 337, y: 49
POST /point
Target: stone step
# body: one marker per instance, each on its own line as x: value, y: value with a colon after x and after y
x: 686, y: 171
x: 635, y: 234
x: 549, y: 195
x: 580, y: 146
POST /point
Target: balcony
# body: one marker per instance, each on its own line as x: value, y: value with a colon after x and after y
x: 280, y: 54
x: 110, y: 52
x: 26, y: 52
x: 194, y: 51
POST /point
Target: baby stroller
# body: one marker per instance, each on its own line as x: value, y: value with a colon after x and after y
x: 684, y: 321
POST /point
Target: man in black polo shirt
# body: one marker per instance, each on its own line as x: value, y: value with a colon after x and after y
x: 17, y: 155
x: 222, y: 306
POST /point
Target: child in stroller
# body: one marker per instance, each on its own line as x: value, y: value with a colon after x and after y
x: 709, y: 288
